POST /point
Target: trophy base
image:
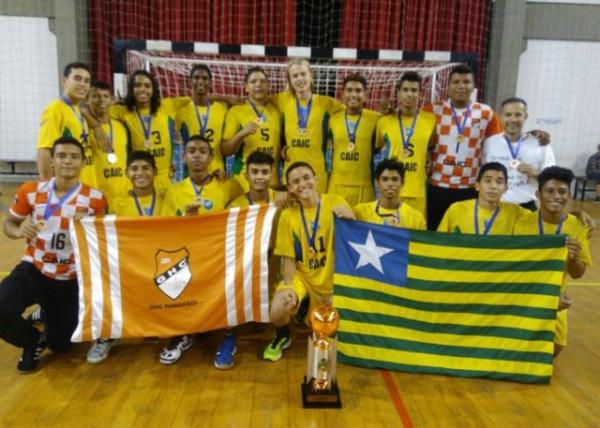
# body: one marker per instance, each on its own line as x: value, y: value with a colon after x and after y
x: 321, y: 399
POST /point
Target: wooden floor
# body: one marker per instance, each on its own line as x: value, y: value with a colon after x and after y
x: 132, y: 389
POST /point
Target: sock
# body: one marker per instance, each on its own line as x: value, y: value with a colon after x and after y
x: 283, y: 331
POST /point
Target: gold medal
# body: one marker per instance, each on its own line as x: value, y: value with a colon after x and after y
x: 146, y: 143
x: 199, y: 201
x: 302, y: 132
x: 406, y: 153
x: 351, y: 147
x: 515, y: 163
x: 111, y: 158
x: 393, y: 220
x: 460, y: 138
x: 259, y: 121
x: 312, y: 252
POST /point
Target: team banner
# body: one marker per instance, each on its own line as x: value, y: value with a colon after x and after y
x: 164, y: 276
x: 463, y: 305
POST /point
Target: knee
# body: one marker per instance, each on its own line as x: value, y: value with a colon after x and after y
x: 8, y: 318
x: 281, y: 310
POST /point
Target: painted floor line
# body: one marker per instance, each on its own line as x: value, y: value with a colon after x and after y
x: 396, y: 399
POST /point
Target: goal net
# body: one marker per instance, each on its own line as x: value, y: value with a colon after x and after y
x: 172, y: 72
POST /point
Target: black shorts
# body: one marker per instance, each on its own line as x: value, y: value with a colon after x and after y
x: 439, y: 200
x: 26, y: 286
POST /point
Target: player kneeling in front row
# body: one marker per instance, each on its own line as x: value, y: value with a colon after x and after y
x: 486, y: 214
x: 554, y: 194
x: 200, y: 193
x: 142, y: 200
x: 259, y: 176
x: 305, y: 241
x: 46, y: 274
x: 389, y: 208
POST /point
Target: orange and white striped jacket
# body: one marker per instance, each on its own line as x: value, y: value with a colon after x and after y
x: 164, y: 276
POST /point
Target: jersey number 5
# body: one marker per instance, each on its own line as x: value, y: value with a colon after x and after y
x: 264, y: 134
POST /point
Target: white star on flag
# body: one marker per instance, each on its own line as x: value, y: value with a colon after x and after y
x: 370, y: 253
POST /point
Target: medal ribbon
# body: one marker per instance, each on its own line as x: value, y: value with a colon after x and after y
x: 459, y: 126
x: 251, y: 202
x: 409, y: 131
x: 303, y: 113
x: 198, y: 191
x: 352, y: 133
x: 541, y: 224
x: 311, y: 237
x: 80, y: 118
x: 111, y: 148
x: 52, y: 208
x: 202, y: 123
x: 142, y: 211
x: 261, y: 114
x: 143, y: 123
x: 396, y: 215
x: 489, y: 224
x: 514, y: 153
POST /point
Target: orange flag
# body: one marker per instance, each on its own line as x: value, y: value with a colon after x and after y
x: 164, y: 276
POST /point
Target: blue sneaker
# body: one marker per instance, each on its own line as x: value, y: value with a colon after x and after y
x: 228, y: 348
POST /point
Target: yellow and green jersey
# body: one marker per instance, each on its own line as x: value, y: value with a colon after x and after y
x: 314, y: 268
x: 62, y: 119
x: 111, y: 178
x: 215, y: 196
x: 528, y: 224
x: 244, y: 201
x: 208, y: 121
x: 267, y: 139
x: 352, y: 162
x: 405, y: 216
x: 153, y: 133
x: 307, y: 144
x: 410, y: 150
x: 129, y: 205
x: 460, y: 218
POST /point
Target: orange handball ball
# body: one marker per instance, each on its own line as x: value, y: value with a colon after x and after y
x: 324, y: 320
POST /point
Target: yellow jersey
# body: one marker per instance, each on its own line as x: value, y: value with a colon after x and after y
x: 267, y: 139
x: 215, y: 195
x: 61, y: 119
x: 153, y: 133
x: 352, y: 163
x: 405, y: 216
x: 414, y: 156
x: 528, y: 225
x: 309, y: 145
x: 244, y: 200
x: 460, y: 218
x: 192, y: 119
x: 127, y: 205
x: 112, y: 177
x: 313, y: 268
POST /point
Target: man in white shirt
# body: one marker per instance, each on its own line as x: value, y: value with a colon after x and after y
x: 519, y: 152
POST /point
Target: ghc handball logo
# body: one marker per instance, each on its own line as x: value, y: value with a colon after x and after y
x: 172, y: 274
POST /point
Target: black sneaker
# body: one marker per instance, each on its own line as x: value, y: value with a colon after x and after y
x: 37, y: 317
x: 31, y: 357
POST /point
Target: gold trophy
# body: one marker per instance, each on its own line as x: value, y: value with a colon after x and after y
x: 320, y: 388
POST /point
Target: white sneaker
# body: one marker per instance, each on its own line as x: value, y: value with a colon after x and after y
x: 100, y: 350
x: 172, y: 353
